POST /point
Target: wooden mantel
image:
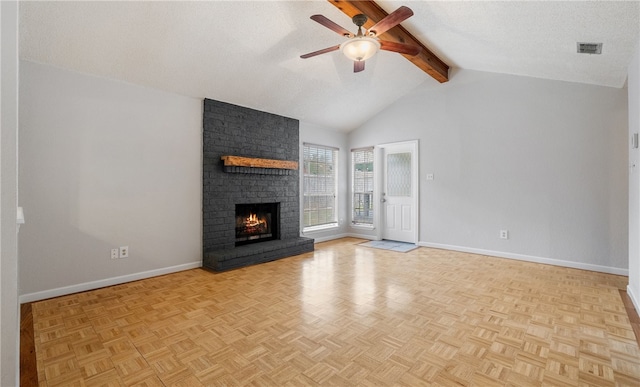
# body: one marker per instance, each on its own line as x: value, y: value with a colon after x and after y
x: 250, y: 162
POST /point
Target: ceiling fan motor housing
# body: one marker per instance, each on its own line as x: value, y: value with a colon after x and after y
x: 359, y: 19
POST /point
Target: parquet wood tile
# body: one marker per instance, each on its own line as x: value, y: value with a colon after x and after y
x: 346, y: 315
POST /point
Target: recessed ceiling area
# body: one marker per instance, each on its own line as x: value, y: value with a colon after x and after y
x: 248, y: 53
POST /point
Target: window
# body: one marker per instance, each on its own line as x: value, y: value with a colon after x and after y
x: 362, y: 169
x: 320, y: 186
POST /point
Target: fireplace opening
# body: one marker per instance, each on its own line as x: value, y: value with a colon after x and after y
x: 257, y: 223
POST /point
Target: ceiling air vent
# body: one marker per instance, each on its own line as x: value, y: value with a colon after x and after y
x: 589, y: 48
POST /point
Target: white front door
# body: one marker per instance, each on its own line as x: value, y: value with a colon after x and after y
x: 399, y: 197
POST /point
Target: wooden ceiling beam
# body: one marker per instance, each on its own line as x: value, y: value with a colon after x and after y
x: 426, y: 60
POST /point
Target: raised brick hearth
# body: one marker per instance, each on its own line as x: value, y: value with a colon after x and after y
x: 238, y: 131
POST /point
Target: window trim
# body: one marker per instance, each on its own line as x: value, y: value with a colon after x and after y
x: 354, y: 223
x: 335, y: 164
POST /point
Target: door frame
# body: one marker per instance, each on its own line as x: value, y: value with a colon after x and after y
x: 415, y: 184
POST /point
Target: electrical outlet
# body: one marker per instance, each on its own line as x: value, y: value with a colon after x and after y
x: 124, y: 251
x: 504, y: 234
x: 114, y: 254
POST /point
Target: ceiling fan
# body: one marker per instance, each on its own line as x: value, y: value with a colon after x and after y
x: 361, y: 46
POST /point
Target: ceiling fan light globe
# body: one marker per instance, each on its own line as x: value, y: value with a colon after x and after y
x: 360, y: 48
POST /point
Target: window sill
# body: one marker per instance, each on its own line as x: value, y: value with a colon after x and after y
x: 363, y: 226
x: 320, y: 228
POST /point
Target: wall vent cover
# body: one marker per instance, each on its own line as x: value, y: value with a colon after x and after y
x: 589, y: 48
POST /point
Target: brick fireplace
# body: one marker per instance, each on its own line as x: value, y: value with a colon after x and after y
x: 230, y: 130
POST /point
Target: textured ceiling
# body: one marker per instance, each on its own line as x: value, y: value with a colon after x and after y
x: 247, y: 53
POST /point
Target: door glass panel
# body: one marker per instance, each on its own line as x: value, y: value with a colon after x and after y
x: 399, y: 174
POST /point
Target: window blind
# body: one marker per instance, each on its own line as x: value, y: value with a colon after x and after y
x: 319, y: 185
x: 362, y: 172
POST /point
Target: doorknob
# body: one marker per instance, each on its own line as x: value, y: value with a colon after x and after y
x: 383, y: 200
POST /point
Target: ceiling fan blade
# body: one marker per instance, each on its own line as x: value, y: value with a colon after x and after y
x: 323, y: 51
x: 402, y: 48
x: 391, y: 20
x: 358, y: 66
x: 331, y: 25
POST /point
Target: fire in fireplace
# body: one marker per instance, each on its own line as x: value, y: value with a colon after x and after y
x: 256, y: 222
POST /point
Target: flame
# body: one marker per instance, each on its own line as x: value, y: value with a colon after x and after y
x: 252, y: 221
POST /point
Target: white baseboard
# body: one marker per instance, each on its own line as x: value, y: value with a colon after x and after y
x: 363, y: 236
x: 326, y: 238
x: 37, y: 296
x: 338, y: 236
x: 530, y: 258
x: 63, y: 291
x: 634, y: 298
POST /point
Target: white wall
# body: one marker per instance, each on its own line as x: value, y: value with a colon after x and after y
x: 544, y: 159
x: 9, y: 310
x: 634, y: 181
x: 105, y: 164
x: 319, y: 135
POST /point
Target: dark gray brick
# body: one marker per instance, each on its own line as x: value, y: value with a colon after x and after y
x: 234, y: 130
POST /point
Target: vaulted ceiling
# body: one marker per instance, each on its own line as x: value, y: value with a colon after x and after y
x: 248, y: 53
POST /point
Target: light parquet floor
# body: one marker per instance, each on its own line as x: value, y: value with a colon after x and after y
x: 345, y: 315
